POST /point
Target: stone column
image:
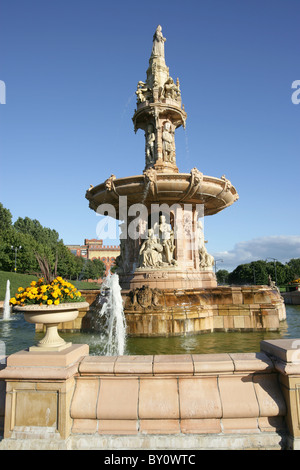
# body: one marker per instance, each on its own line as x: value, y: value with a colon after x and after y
x: 39, y: 389
x: 285, y: 354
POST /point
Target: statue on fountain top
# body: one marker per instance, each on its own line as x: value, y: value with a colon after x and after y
x: 158, y: 48
x: 159, y: 110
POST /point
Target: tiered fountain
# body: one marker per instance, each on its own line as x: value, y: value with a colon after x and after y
x: 166, y: 274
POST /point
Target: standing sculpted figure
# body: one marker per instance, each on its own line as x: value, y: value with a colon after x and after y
x: 167, y: 141
x: 150, y: 143
x: 166, y: 239
x: 158, y: 48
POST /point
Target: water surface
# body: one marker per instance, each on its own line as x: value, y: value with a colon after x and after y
x: 17, y: 334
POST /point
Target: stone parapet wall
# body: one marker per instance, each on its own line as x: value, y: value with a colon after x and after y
x: 70, y: 400
x: 179, y: 394
x: 291, y: 298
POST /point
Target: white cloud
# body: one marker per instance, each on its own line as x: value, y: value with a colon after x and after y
x: 281, y: 247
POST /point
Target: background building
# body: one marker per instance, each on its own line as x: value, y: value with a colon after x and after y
x: 94, y: 249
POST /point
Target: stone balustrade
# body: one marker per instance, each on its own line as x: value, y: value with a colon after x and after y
x: 72, y: 400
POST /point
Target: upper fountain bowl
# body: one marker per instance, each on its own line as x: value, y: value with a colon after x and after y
x: 171, y: 188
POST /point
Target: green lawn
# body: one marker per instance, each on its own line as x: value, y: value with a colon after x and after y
x: 24, y: 280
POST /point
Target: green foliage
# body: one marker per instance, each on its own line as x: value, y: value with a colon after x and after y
x: 222, y: 276
x: 16, y: 280
x: 258, y: 272
x: 294, y: 266
x: 93, y: 269
x: 42, y: 251
x: 5, y: 218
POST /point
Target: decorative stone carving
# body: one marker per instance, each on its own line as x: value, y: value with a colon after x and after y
x: 166, y: 239
x: 168, y: 143
x: 227, y: 185
x: 150, y: 144
x: 151, y: 252
x: 109, y: 183
x: 159, y: 103
x: 150, y: 176
x: 171, y: 90
x: 272, y: 284
x: 158, y: 48
x: 206, y: 260
x: 157, y: 275
x: 143, y: 93
x: 195, y: 183
x: 146, y: 297
x: 196, y: 177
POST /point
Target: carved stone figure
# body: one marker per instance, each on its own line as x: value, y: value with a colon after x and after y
x: 168, y: 141
x: 151, y: 252
x: 109, y: 183
x: 150, y: 145
x: 142, y: 92
x: 171, y: 90
x: 150, y: 176
x: 158, y: 48
x: 166, y: 239
x: 272, y: 283
x: 206, y: 260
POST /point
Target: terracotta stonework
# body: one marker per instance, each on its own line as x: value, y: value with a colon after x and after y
x: 228, y: 401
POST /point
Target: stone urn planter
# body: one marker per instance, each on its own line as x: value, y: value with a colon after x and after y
x: 51, y: 316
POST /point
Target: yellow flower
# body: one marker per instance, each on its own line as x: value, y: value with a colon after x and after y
x: 33, y: 283
x: 20, y: 289
x: 13, y: 301
x: 45, y: 297
x: 49, y: 302
x: 56, y: 302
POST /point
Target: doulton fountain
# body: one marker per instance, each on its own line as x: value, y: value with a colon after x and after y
x: 184, y: 401
x: 165, y: 271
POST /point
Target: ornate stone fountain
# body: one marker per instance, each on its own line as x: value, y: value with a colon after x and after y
x: 166, y: 274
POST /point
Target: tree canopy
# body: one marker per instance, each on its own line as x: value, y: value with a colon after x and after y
x: 258, y: 272
x: 29, y: 247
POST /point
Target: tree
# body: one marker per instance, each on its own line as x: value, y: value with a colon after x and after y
x: 5, y: 218
x: 93, y: 269
x: 45, y: 248
x: 293, y: 269
x: 222, y: 276
x: 41, y: 248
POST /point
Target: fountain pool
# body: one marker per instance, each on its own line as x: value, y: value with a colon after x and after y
x: 17, y: 334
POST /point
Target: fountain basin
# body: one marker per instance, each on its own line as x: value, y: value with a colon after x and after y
x: 167, y: 188
x: 154, y: 312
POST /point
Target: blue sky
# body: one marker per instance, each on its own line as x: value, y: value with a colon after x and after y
x: 71, y: 69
